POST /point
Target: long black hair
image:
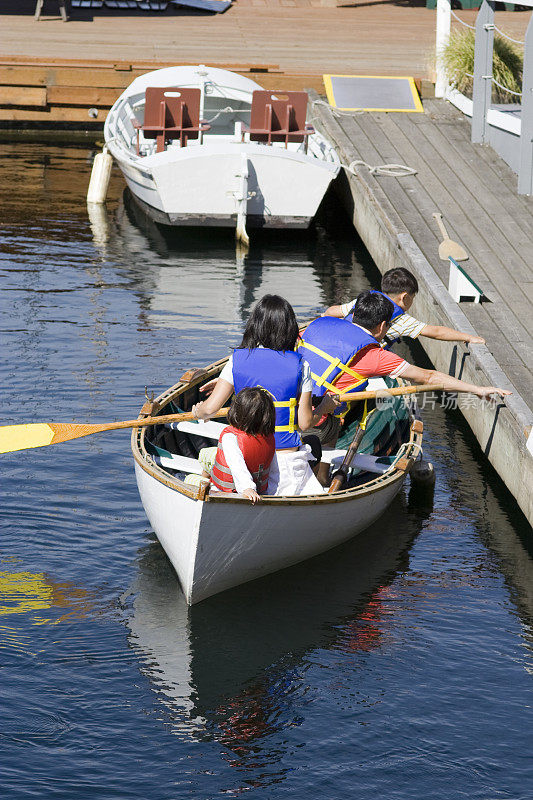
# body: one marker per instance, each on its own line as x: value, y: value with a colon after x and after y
x: 252, y: 411
x: 271, y: 324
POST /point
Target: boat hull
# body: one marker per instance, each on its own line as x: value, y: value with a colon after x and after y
x: 220, y: 220
x: 199, y: 186
x: 219, y: 544
x: 222, y: 178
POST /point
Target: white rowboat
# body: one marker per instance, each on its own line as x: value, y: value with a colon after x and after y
x: 223, y: 177
x: 218, y: 541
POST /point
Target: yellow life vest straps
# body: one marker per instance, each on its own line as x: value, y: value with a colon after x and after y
x: 291, y: 405
x: 334, y: 363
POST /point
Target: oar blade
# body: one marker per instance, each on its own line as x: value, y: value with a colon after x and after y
x: 22, y: 437
x: 450, y: 249
x: 41, y: 434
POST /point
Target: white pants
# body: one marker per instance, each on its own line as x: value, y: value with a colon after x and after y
x: 290, y: 473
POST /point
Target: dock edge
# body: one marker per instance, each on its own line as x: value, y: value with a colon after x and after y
x: 505, y: 431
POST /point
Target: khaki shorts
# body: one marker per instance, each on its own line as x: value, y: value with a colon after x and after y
x: 327, y: 433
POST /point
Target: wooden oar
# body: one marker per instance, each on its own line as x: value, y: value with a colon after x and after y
x: 448, y: 248
x: 371, y: 395
x: 41, y: 434
x: 342, y: 473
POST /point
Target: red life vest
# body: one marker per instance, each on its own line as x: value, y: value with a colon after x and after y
x: 258, y: 452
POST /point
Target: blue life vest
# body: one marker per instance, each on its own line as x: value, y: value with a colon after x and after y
x: 280, y: 373
x: 329, y: 344
x: 396, y: 314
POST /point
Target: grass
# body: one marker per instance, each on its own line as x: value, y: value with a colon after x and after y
x: 507, y: 65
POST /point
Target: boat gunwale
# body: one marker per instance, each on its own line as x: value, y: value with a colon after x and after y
x: 148, y: 465
x: 121, y: 151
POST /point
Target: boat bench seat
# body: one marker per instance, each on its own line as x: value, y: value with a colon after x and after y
x: 362, y: 461
x: 212, y: 430
x: 278, y: 116
x: 179, y: 463
x: 171, y: 112
x: 209, y: 429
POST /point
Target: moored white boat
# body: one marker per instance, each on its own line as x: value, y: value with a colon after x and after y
x: 223, y: 177
x: 218, y: 541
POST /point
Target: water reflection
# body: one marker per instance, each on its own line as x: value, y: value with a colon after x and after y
x: 230, y: 666
x: 23, y: 592
x: 172, y: 267
x: 499, y: 523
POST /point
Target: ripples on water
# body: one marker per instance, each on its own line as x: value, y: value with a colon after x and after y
x: 397, y: 666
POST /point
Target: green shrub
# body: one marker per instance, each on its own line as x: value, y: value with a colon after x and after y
x: 507, y: 65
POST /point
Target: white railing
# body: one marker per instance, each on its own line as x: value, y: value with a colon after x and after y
x: 482, y: 113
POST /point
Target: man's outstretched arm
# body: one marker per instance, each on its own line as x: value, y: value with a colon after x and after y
x: 420, y: 375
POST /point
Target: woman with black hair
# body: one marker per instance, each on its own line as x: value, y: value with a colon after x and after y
x: 266, y: 357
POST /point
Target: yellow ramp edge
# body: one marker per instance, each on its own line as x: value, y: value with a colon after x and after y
x: 21, y: 437
x: 330, y: 94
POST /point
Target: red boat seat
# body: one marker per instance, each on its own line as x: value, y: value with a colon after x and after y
x: 171, y: 113
x: 278, y: 116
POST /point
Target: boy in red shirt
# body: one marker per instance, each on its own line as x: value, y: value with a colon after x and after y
x: 342, y: 359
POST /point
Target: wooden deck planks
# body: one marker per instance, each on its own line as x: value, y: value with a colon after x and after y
x: 318, y: 35
x: 462, y: 200
x: 499, y: 262
x: 494, y: 173
x: 470, y: 183
x: 414, y: 193
x: 481, y: 209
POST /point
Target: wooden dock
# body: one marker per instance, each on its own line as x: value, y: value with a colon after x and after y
x: 368, y: 36
x: 476, y: 193
x: 58, y: 91
x: 57, y: 72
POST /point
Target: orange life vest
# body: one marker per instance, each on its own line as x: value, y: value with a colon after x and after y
x: 258, y: 452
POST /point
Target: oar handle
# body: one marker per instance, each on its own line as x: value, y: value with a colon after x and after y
x: 342, y: 473
x: 141, y: 423
x: 371, y: 395
x: 440, y: 223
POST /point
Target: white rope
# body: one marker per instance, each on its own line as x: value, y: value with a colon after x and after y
x: 390, y: 170
x: 404, y: 447
x: 222, y: 111
x: 337, y: 111
x: 493, y: 79
x: 402, y: 450
x: 506, y: 35
x: 472, y: 27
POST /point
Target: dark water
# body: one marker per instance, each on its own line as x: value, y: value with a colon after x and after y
x: 397, y: 666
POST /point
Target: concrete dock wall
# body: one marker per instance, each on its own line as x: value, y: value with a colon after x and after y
x: 502, y: 430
